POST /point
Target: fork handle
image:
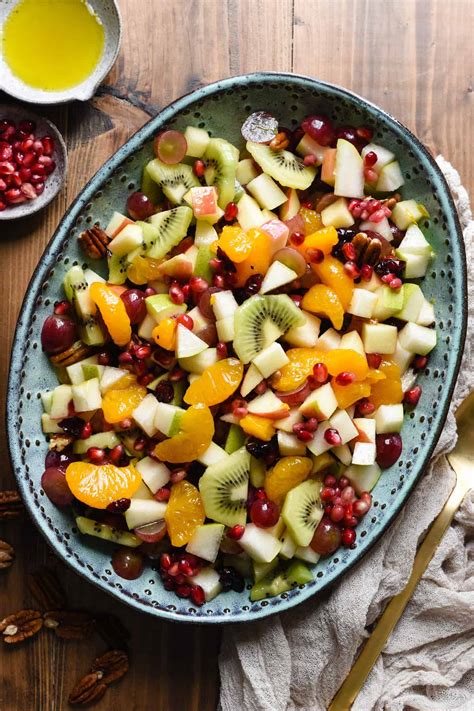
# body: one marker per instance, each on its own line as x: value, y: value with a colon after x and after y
x: 374, y: 645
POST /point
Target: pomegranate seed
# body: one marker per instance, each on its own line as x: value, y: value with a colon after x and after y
x: 218, y: 280
x: 165, y: 561
x: 62, y: 307
x: 178, y: 475
x: 315, y: 255
x: 377, y: 216
x: 6, y: 167
x: 311, y: 425
x: 186, y: 321
x: 420, y: 362
x: 412, y: 396
x: 365, y: 133
x: 96, y: 455
x: 197, y: 595
x: 146, y: 379
x: 177, y: 374
x: 305, y: 435
x: 348, y: 537
x: 162, y: 494
x: 236, y: 532
x: 374, y: 360
x: 309, y: 160
x: 352, y: 270
x: 297, y: 299
x: 370, y: 176
x: 337, y: 513
x: 345, y: 378
x: 297, y: 238
x: 2, y: 205
x: 186, y: 289
x: 364, y: 407
x: 312, y: 382
x: 143, y: 352
x: 333, y: 437
x: 27, y: 145
x: 150, y: 291
x: 349, y: 519
x: 330, y: 480
x: 327, y: 494
x: 14, y: 180
x: 366, y: 272
x: 38, y: 147
x: 3, y: 185
x: 38, y: 169
x: 140, y: 443
x: 360, y: 508
x: 199, y: 168
x: 365, y: 496
x: 36, y: 178
x: 125, y: 357
x: 198, y: 284
x: 25, y: 175
x: 86, y: 430
x: 5, y: 151
x: 307, y: 204
x: 116, y: 454
x: 39, y: 187
x: 370, y: 159
x: 48, y: 145
x: 29, y: 160
x: 347, y: 495
x: 349, y: 252
x: 396, y: 283
x: 320, y: 372
x: 343, y: 482
x: 185, y: 568
x: 176, y: 294
x: 28, y: 191
x: 221, y: 349
x: 48, y: 164
x: 231, y: 212
x: 216, y: 264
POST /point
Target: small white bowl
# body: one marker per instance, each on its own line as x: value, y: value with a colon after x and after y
x: 53, y: 182
x: 108, y: 12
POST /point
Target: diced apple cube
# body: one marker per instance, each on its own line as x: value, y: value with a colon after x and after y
x: 277, y: 275
x: 206, y: 540
x: 197, y: 140
x: 50, y: 426
x: 111, y: 376
x: 204, y: 202
x: 154, y: 474
x: 362, y: 303
x: 307, y: 554
x: 372, y: 285
x: 413, y: 300
x: 416, y: 265
x: 47, y: 400
x: 288, y: 546
x: 402, y: 358
x: 379, y: 338
x: 86, y: 396
x: 321, y: 403
x: 286, y: 423
x: 388, y: 418
x: 328, y: 168
x: 143, y: 511
x: 251, y: 379
x: 349, y: 171
x: 116, y: 224
x: 128, y: 239
x: 341, y: 421
x: 364, y: 453
x: 266, y: 192
x: 213, y: 454
x: 166, y: 417
x: 260, y: 545
x: 426, y: 316
x: 61, y: 397
x: 225, y: 329
x: 417, y: 339
x: 415, y: 242
x: 384, y: 156
x: 309, y: 147
x: 187, y: 343
x: 382, y: 228
x: 407, y: 212
x: 366, y: 429
x: 205, y: 233
x: 363, y: 478
x: 305, y: 336
x: 352, y: 341
x: 223, y: 304
x: 144, y: 414
x: 318, y: 444
x: 292, y: 206
x: 337, y: 215
x: 201, y: 361
x: 270, y: 359
x: 246, y: 171
x: 250, y: 215
x: 268, y: 405
x: 278, y: 232
x: 343, y: 453
x: 328, y: 341
x: 390, y: 178
x: 209, y: 580
x: 289, y: 444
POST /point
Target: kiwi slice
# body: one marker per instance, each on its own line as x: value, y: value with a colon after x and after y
x: 77, y: 293
x: 117, y: 269
x: 172, y: 226
x: 221, y: 159
x: 174, y: 180
x: 90, y: 527
x: 150, y: 188
x: 224, y: 488
x: 277, y: 582
x: 260, y: 320
x: 283, y: 166
x: 302, y: 511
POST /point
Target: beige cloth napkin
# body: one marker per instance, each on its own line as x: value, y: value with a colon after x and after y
x: 297, y: 661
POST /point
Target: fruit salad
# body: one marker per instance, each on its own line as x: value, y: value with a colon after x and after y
x: 233, y: 386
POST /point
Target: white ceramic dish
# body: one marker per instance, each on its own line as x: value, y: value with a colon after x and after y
x: 108, y: 12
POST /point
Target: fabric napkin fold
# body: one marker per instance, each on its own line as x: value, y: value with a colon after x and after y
x: 296, y: 661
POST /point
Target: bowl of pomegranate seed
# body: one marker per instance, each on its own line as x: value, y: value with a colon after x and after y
x: 33, y: 162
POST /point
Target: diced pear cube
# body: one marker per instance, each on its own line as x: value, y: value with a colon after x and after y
x: 62, y: 396
x: 289, y: 444
x: 267, y: 193
x: 197, y: 140
x: 50, y: 426
x: 343, y: 453
x: 364, y: 453
x: 86, y: 396
x: 206, y: 540
x: 277, y: 275
x: 379, y: 338
x: 329, y: 341
x: 208, y: 579
x: 213, y: 454
x: 286, y: 423
x: 288, y: 546
x: 271, y: 359
x: 390, y: 178
x: 382, y: 228
x: 305, y: 336
x: 259, y: 544
x: 366, y: 429
x: 225, y: 329
x: 407, y: 212
x: 362, y: 303
x: 47, y: 400
x: 337, y: 215
x: 402, y: 358
x: 246, y: 171
x: 415, y: 242
x: 384, y: 156
x: 250, y: 214
x: 143, y: 511
x: 144, y: 414
x: 352, y: 341
x: 321, y: 403
x: 417, y: 339
x: 223, y: 304
x: 318, y: 444
x: 363, y: 478
x: 388, y: 418
x: 251, y: 379
x: 349, y: 171
x: 416, y: 265
x: 341, y: 421
x: 426, y: 316
x: 128, y: 239
x: 154, y: 474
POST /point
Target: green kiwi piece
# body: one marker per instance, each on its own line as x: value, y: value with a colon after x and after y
x: 150, y: 188
x: 172, y: 226
x: 283, y: 166
x: 277, y: 582
x: 302, y: 511
x: 260, y: 321
x: 90, y: 527
x: 235, y: 439
x: 174, y: 180
x: 221, y: 159
x: 117, y: 269
x: 224, y: 488
x: 76, y: 289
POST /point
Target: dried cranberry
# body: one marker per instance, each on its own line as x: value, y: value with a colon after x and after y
x: 164, y: 391
x: 74, y: 426
x: 389, y: 265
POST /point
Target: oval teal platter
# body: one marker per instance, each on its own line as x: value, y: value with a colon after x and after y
x: 221, y: 108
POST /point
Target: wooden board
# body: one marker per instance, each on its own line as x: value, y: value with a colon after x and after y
x: 413, y: 58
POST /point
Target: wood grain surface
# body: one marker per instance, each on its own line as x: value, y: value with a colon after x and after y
x: 412, y: 57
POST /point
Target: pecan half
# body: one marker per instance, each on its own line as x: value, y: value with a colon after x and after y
x: 112, y: 631
x: 368, y: 250
x: 113, y: 665
x: 45, y: 587
x: 20, y: 626
x: 59, y: 442
x: 373, y: 252
x: 70, y: 624
x: 88, y: 690
x: 78, y: 351
x: 7, y: 555
x: 94, y: 242
x: 280, y: 142
x: 11, y: 504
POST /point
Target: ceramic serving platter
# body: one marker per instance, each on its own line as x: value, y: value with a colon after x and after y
x: 221, y: 109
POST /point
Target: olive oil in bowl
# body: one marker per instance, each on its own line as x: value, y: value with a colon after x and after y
x: 52, y: 45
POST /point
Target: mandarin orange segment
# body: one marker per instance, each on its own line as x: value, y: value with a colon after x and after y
x: 217, y: 383
x: 164, y: 334
x: 324, y: 301
x: 324, y: 240
x: 388, y: 391
x: 195, y: 436
x: 285, y: 475
x: 236, y: 243
x: 373, y: 376
x: 118, y: 404
x: 143, y: 269
x: 312, y: 220
x: 113, y: 311
x: 257, y: 426
x: 347, y: 395
x: 340, y: 360
x: 331, y: 272
x: 294, y: 373
x: 184, y: 513
x: 258, y: 261
x: 100, y: 485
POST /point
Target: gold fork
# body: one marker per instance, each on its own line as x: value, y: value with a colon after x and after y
x: 461, y: 460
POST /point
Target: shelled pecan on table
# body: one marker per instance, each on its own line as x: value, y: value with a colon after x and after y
x: 20, y: 626
x: 45, y: 587
x: 106, y: 669
x: 7, y: 554
x: 70, y: 624
x: 11, y: 504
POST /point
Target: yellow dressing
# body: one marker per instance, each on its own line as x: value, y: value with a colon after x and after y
x: 52, y: 44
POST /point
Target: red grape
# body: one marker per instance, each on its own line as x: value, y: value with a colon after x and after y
x: 327, y: 537
x: 128, y: 563
x: 295, y: 397
x: 134, y: 300
x: 348, y: 133
x: 139, y: 206
x: 60, y: 460
x: 56, y: 487
x: 389, y: 448
x: 170, y: 147
x: 205, y: 302
x: 319, y: 128
x: 292, y: 259
x: 151, y: 532
x: 264, y: 513
x: 58, y: 334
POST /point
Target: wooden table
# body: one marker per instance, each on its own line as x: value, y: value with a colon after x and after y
x: 412, y: 57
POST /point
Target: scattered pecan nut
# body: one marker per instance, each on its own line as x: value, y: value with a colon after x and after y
x: 280, y: 142
x: 20, y: 626
x: 373, y: 252
x: 7, y: 555
x: 45, y: 587
x: 78, y: 351
x: 70, y: 624
x: 368, y: 250
x: 112, y: 631
x: 11, y: 504
x: 88, y: 690
x: 94, y: 242
x: 59, y: 442
x: 113, y: 665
